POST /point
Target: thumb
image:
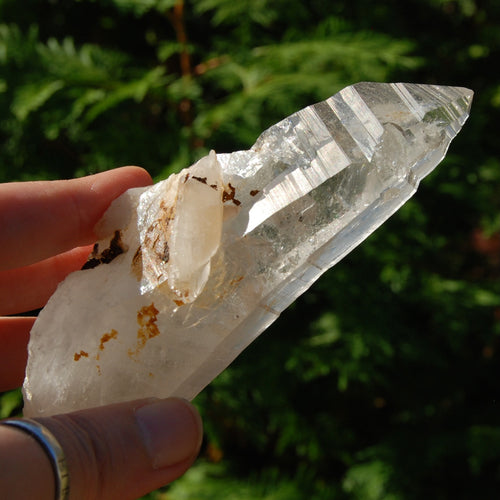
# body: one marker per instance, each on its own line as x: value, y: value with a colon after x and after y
x: 121, y: 451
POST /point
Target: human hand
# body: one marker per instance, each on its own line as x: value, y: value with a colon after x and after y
x: 119, y: 451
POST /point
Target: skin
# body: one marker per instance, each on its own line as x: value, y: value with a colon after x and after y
x: 120, y: 451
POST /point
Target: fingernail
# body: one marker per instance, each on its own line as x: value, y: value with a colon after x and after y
x: 171, y: 431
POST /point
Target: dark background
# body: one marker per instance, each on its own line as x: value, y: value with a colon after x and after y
x: 382, y: 381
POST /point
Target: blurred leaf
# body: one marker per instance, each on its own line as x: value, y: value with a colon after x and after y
x: 229, y: 11
x: 140, y: 7
x: 10, y: 401
x: 368, y: 481
x: 484, y: 444
x: 135, y: 90
x: 31, y: 96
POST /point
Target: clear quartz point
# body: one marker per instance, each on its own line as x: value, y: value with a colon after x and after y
x: 191, y: 270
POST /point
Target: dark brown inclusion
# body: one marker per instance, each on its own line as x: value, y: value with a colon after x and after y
x: 166, y: 253
x: 228, y: 195
x: 203, y: 180
x: 115, y: 248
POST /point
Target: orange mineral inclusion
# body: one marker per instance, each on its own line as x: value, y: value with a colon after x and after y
x: 78, y: 355
x: 147, y: 317
x: 107, y: 337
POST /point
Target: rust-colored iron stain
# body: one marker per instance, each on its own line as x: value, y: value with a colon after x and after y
x: 254, y: 192
x: 157, y: 233
x: 147, y: 317
x: 137, y: 264
x: 167, y: 213
x: 155, y: 243
x: 228, y: 195
x: 107, y: 337
x: 115, y: 248
x: 270, y: 310
x: 183, y: 295
x: 236, y: 280
x: 81, y: 354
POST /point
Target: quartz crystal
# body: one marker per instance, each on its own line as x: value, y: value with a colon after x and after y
x: 190, y: 271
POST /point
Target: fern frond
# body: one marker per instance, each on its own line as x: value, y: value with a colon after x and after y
x: 31, y: 96
x: 135, y: 89
x: 231, y: 11
x: 140, y: 7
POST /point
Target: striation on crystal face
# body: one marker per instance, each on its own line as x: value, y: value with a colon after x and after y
x: 191, y: 270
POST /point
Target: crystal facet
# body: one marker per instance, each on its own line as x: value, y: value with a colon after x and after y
x: 191, y: 270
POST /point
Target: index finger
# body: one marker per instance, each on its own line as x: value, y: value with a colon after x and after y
x: 44, y: 218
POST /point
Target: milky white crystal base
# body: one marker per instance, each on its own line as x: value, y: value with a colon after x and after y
x: 192, y: 270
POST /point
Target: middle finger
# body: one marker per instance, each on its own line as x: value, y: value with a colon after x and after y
x: 28, y: 288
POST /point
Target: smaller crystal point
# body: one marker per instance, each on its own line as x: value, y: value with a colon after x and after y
x: 191, y: 270
x: 181, y: 228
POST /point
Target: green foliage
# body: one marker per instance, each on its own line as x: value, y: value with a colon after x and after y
x: 141, y: 7
x: 381, y: 381
x: 208, y: 481
x: 94, y: 102
x: 10, y: 403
